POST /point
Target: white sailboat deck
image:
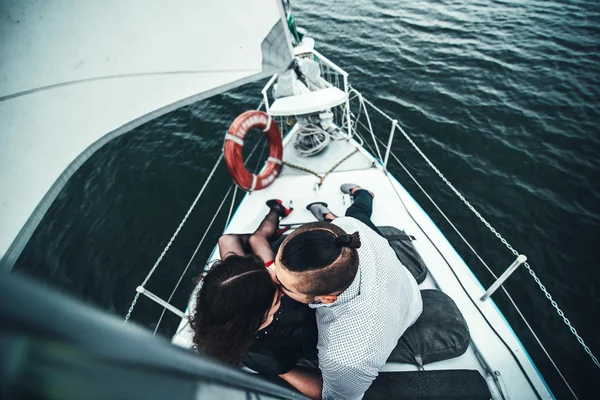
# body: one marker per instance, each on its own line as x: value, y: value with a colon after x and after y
x: 393, y: 206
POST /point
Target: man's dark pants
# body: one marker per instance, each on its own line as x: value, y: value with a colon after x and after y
x: 362, y: 208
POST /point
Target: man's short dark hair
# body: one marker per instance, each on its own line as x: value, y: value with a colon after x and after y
x: 324, y: 255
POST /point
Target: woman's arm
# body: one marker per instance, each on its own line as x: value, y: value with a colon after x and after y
x: 307, y: 381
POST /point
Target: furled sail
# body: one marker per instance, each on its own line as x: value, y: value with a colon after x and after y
x: 75, y: 74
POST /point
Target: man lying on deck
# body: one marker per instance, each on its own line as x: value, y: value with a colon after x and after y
x: 364, y: 297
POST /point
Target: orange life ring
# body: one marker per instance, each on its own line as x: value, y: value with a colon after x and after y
x: 234, y: 140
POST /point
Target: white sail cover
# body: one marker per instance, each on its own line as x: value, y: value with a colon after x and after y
x: 75, y: 74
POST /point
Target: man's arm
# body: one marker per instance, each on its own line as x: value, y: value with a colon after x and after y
x: 307, y: 381
x: 341, y: 381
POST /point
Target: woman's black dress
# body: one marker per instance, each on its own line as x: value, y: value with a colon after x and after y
x: 291, y: 336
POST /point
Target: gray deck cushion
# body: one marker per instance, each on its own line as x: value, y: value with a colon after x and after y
x: 440, y: 333
x: 405, y: 251
x: 429, y: 385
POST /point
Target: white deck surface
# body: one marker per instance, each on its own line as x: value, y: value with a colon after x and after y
x: 392, y: 205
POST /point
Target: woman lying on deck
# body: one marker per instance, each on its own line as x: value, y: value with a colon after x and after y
x: 241, y: 316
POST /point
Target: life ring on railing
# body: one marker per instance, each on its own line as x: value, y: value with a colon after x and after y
x: 234, y: 141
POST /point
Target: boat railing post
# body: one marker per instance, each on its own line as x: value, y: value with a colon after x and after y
x: 389, y: 144
x: 155, y: 298
x: 348, y: 118
x: 265, y: 94
x: 266, y: 99
x: 512, y: 268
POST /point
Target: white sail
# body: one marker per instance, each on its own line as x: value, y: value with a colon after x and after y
x: 75, y: 74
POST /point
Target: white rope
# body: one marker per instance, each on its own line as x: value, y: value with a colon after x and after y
x: 508, y: 246
x: 496, y: 233
x: 193, y: 256
x: 480, y: 259
x: 185, y: 217
x: 310, y: 139
x: 235, y: 189
x: 183, y: 221
x: 357, y: 134
x: 472, y: 249
x: 362, y: 105
x: 205, y: 233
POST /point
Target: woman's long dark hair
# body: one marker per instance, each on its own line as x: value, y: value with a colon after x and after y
x: 233, y: 302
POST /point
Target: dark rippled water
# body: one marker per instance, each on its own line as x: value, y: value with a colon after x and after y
x: 504, y: 96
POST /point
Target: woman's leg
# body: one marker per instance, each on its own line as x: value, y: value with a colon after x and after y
x: 362, y: 208
x: 233, y: 244
x: 259, y: 240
